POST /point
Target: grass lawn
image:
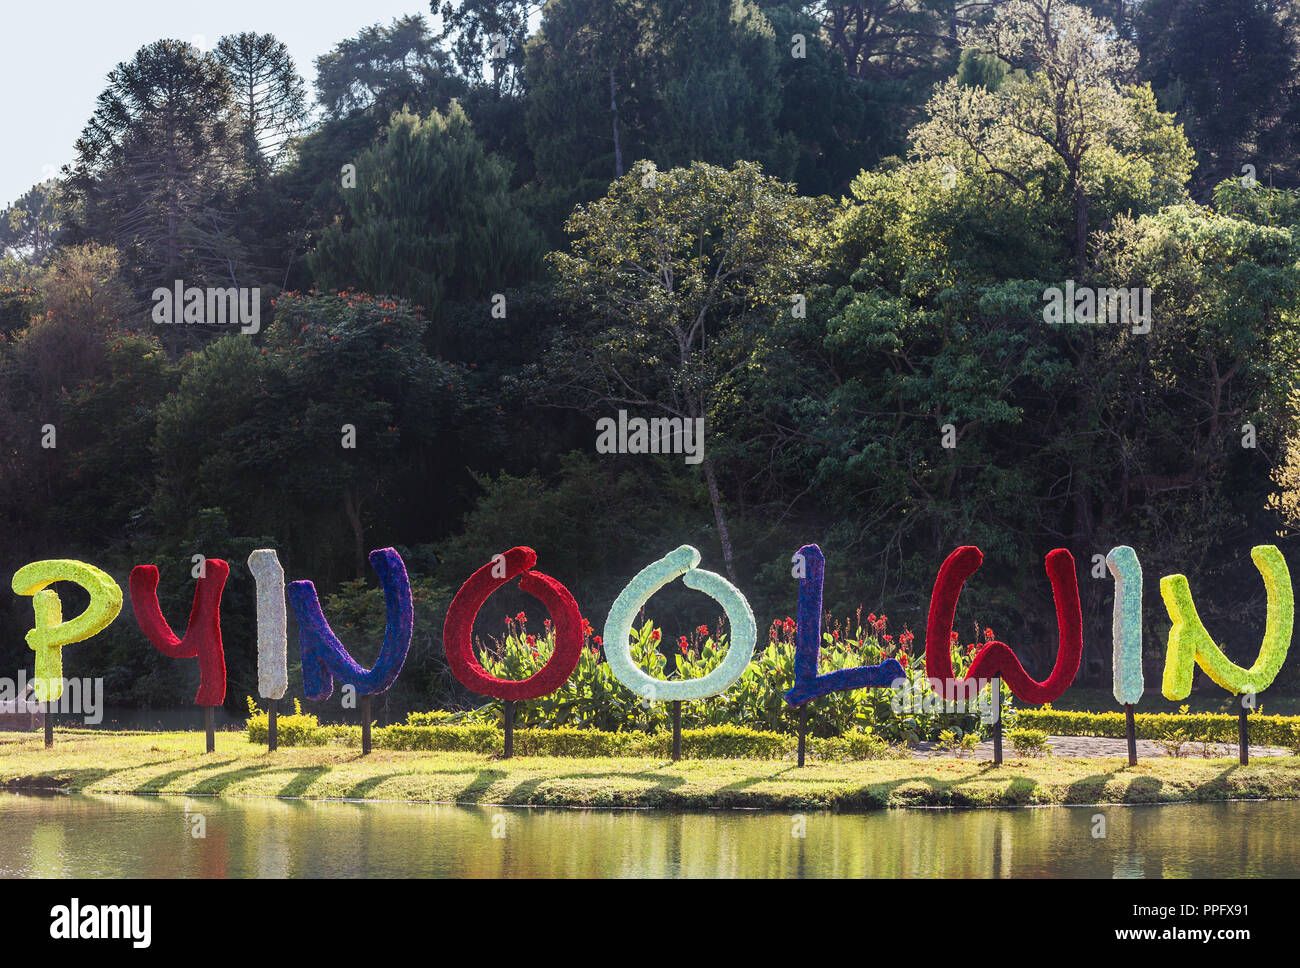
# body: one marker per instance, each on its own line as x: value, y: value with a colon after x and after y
x: 173, y: 763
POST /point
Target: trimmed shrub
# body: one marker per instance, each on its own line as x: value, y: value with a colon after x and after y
x: 440, y: 717
x: 1214, y: 727
x: 1029, y: 742
x: 299, y: 729
x: 714, y: 742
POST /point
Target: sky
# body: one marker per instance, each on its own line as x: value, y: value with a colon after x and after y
x: 58, y: 53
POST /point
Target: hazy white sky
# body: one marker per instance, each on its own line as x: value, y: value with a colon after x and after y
x: 58, y: 52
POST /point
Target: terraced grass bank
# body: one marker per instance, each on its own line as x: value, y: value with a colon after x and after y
x: 173, y: 763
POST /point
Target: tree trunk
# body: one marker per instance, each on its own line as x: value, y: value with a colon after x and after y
x: 1080, y: 243
x: 724, y: 537
x: 613, y: 111
x: 352, y: 508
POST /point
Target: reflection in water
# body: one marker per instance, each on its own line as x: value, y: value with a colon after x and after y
x: 129, y: 836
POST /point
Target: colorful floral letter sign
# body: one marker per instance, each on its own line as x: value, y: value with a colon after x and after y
x: 807, y: 683
x: 202, y: 635
x: 272, y: 637
x: 996, y: 658
x: 324, y: 658
x: 1190, y: 643
x: 457, y: 632
x: 618, y: 628
x: 51, y: 633
x: 1126, y: 625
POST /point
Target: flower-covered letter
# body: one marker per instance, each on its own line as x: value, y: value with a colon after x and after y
x: 1126, y: 625
x: 618, y: 628
x: 1190, y: 644
x: 457, y: 631
x: 807, y: 683
x: 202, y: 635
x: 324, y: 658
x: 52, y: 633
x: 272, y: 634
x: 996, y: 658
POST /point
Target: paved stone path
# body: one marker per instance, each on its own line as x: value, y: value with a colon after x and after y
x: 1100, y: 746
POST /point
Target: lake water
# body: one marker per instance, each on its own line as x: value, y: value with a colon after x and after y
x: 133, y: 836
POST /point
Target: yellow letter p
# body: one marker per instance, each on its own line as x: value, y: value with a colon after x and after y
x: 52, y: 633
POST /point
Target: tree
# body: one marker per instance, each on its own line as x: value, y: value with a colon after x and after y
x: 925, y: 401
x: 29, y: 226
x: 431, y: 218
x: 910, y: 40
x: 85, y: 299
x: 841, y: 124
x: 106, y: 424
x: 1231, y: 71
x: 893, y: 38
x: 719, y: 87
x: 675, y: 81
x: 157, y: 163
x: 1065, y: 112
x: 341, y: 424
x: 384, y: 69
x: 1255, y: 203
x: 588, y: 88
x: 72, y: 351
x: 488, y: 35
x: 680, y: 272
x: 269, y: 92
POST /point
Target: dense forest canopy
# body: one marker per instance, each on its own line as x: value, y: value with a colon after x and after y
x: 825, y: 229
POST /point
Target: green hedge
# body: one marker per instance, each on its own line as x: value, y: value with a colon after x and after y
x: 295, y: 729
x: 441, y: 717
x: 432, y: 732
x: 714, y: 742
x: 1216, y: 727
